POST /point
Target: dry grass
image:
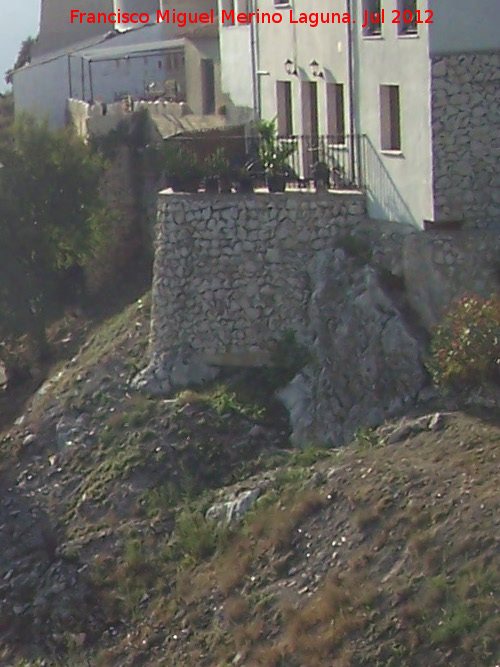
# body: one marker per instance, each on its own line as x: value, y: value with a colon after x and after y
x: 234, y: 564
x: 277, y: 525
x: 236, y: 608
x: 399, y: 567
x: 247, y: 634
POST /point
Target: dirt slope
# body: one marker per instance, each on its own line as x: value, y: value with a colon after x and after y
x: 385, y: 552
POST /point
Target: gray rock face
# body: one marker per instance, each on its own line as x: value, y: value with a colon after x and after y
x: 367, y: 363
x: 38, y: 589
x: 180, y: 367
x: 71, y: 430
x: 233, y: 509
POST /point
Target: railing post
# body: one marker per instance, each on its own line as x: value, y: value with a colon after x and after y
x: 359, y: 163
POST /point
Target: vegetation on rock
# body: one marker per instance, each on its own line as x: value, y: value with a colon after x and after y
x: 377, y: 553
x: 465, y: 348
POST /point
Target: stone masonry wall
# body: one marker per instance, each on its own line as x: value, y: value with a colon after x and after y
x: 466, y: 136
x: 231, y: 271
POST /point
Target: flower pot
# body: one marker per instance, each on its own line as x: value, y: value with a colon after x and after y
x: 224, y: 185
x: 244, y: 185
x: 276, y: 182
x: 321, y: 184
x: 321, y: 176
x: 190, y: 185
x: 212, y: 185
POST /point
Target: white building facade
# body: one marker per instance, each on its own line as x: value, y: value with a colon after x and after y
x: 416, y: 103
x: 114, y: 61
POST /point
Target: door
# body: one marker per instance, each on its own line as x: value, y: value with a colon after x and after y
x: 208, y: 85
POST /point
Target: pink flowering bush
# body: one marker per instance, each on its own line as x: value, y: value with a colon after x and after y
x: 465, y: 348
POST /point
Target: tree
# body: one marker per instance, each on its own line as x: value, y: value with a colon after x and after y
x: 50, y: 220
x: 6, y: 117
x: 23, y: 57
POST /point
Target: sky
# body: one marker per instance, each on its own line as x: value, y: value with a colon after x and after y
x: 18, y: 19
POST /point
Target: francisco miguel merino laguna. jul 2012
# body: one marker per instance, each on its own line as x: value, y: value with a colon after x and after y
x: 231, y: 17
x: 182, y: 19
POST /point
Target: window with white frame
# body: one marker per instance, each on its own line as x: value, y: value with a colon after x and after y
x: 407, y: 17
x: 372, y: 16
x: 390, y: 118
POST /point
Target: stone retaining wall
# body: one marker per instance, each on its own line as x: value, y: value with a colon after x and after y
x: 231, y: 271
x: 466, y: 136
x: 440, y: 268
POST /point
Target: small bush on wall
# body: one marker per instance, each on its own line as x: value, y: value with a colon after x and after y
x: 465, y: 348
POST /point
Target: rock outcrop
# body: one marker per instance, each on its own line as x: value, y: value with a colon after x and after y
x: 367, y: 363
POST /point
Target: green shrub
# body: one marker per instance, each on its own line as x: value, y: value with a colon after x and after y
x: 465, y: 348
x: 196, y: 537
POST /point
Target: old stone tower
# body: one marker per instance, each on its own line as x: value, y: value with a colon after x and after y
x: 57, y: 31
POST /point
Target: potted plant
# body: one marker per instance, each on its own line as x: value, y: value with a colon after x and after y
x: 321, y: 176
x: 274, y: 155
x: 218, y: 172
x: 244, y: 179
x: 211, y: 180
x: 183, y: 168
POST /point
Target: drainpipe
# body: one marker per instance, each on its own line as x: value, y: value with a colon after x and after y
x: 256, y: 96
x: 91, y: 82
x: 350, y: 78
x: 70, y: 82
x: 82, y: 64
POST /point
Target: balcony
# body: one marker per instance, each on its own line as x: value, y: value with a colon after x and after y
x: 335, y: 154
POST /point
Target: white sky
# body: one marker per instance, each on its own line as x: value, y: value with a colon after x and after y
x: 18, y: 19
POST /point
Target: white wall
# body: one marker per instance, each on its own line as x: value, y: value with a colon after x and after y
x: 42, y: 90
x: 399, y: 184
x: 301, y: 44
x: 236, y: 66
x: 464, y: 26
x: 118, y: 77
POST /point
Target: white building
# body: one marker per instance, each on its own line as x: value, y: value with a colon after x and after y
x: 105, y: 62
x: 415, y: 106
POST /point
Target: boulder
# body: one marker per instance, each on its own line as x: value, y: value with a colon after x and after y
x: 233, y: 509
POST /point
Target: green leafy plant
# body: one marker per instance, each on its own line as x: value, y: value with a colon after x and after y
x: 217, y: 164
x: 183, y: 168
x: 465, y: 348
x: 51, y: 220
x: 196, y: 537
x: 273, y: 153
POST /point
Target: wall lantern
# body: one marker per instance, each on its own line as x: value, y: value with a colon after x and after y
x: 290, y: 67
x: 315, y: 68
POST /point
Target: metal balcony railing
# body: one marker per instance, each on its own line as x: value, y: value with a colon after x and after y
x: 340, y: 154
